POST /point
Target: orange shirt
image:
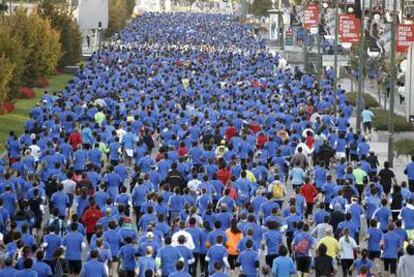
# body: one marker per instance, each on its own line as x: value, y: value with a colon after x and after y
x: 232, y: 242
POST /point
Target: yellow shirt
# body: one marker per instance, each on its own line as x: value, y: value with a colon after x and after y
x: 250, y: 176
x: 332, y: 246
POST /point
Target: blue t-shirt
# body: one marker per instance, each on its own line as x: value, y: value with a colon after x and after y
x: 73, y: 243
x: 42, y: 269
x: 409, y: 171
x: 273, y: 239
x: 216, y: 254
x: 53, y: 242
x: 127, y: 255
x: 283, y: 266
x: 248, y: 260
x: 169, y: 256
x: 94, y: 268
x: 407, y: 215
x: 144, y: 264
x: 392, y: 243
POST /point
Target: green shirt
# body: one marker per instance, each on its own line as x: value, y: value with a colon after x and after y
x: 360, y: 176
x: 99, y: 118
x: 103, y: 148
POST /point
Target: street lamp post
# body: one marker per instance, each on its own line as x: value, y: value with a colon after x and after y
x: 319, y: 76
x: 335, y: 84
x: 361, y: 65
x: 393, y: 73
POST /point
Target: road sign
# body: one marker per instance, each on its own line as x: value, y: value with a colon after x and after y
x: 311, y: 17
x: 349, y: 28
x: 405, y: 36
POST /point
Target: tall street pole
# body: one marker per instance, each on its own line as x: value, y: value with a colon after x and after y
x: 335, y: 85
x: 361, y: 57
x: 319, y: 76
x: 393, y: 72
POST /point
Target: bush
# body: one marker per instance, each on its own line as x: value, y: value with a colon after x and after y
x: 368, y: 100
x: 404, y: 147
x: 42, y: 82
x: 381, y: 122
x: 6, y: 107
x: 27, y: 93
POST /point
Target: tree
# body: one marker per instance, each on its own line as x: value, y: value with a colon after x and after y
x: 40, y: 40
x: 260, y: 7
x: 118, y: 16
x: 70, y: 36
x: 6, y: 69
x: 11, y: 47
x: 130, y: 4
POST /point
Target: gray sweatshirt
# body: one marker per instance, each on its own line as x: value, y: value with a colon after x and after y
x: 406, y: 266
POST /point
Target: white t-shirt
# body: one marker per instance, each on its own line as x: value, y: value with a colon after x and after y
x: 347, y: 248
x: 35, y: 152
x: 68, y: 186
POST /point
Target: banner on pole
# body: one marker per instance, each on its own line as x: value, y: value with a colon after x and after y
x: 349, y: 28
x: 405, y: 36
x: 311, y: 17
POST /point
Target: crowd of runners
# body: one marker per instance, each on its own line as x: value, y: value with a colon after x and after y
x: 185, y: 149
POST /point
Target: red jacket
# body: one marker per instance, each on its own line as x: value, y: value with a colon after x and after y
x: 90, y: 218
x: 75, y: 138
x: 261, y: 141
x: 255, y: 127
x: 182, y: 151
x: 233, y: 192
x: 230, y: 132
x: 223, y: 175
x: 309, y: 192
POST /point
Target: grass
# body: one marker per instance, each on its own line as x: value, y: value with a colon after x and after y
x: 22, y: 107
x: 368, y: 100
x: 381, y: 122
x: 404, y: 147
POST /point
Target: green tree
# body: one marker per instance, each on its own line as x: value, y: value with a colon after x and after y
x: 40, y: 40
x: 12, y: 48
x: 118, y: 16
x: 260, y: 7
x: 130, y: 4
x: 70, y: 36
x: 6, y: 69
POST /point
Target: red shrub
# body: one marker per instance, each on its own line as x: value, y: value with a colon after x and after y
x: 6, y: 107
x: 42, y: 82
x: 27, y: 92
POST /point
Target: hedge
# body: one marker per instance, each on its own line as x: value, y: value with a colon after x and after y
x: 368, y: 100
x: 381, y: 122
x: 404, y: 147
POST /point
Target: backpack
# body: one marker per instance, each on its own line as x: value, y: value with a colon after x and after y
x: 354, y: 145
x: 302, y: 246
x: 277, y: 190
